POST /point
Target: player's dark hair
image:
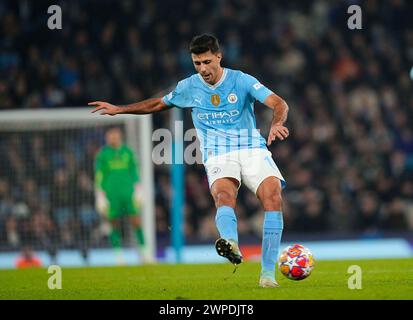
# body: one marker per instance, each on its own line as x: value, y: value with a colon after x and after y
x: 203, y: 43
x: 113, y: 127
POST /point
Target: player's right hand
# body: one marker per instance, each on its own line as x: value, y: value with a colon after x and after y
x: 138, y: 194
x: 107, y: 108
x: 277, y: 131
x: 101, y: 203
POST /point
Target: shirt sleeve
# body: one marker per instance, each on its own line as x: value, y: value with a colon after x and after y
x: 180, y: 97
x: 255, y: 88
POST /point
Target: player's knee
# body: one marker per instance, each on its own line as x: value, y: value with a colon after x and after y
x: 135, y: 221
x: 225, y: 198
x: 115, y: 223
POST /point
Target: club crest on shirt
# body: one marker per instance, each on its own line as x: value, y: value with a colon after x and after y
x: 215, y: 99
x: 232, y: 98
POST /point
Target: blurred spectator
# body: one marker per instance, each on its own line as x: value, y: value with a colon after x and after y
x: 44, y: 232
x: 368, y: 221
x: 395, y: 218
x: 62, y: 206
x: 88, y: 218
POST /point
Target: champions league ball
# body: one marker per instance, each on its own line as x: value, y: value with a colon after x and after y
x: 296, y: 262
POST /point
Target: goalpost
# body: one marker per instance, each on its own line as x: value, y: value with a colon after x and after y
x: 64, y: 139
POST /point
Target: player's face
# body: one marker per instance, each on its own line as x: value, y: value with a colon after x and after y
x: 114, y: 138
x: 208, y: 65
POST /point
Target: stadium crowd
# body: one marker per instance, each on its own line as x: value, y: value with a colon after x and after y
x: 348, y: 160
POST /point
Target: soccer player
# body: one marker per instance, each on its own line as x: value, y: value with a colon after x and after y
x: 222, y: 103
x: 117, y: 189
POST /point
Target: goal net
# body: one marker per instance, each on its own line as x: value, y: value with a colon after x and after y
x: 47, y: 200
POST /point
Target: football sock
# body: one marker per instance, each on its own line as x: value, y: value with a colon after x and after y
x: 139, y: 236
x: 226, y: 223
x: 115, y: 238
x: 271, y: 238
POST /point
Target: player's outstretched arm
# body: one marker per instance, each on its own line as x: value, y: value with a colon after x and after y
x: 280, y: 113
x: 151, y: 105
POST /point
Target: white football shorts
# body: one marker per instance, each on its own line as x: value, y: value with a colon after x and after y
x: 251, y: 166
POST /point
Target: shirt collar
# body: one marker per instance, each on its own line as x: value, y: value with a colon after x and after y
x: 216, y: 85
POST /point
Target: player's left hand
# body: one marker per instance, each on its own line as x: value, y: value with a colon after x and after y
x: 138, y: 193
x: 277, y: 131
x: 101, y: 202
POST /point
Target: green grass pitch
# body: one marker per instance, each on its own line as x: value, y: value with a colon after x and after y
x: 381, y: 279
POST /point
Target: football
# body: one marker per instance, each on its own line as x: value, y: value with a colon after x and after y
x: 296, y: 262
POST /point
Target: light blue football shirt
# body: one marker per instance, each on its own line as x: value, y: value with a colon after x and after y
x: 223, y: 114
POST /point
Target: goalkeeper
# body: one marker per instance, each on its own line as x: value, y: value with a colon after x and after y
x: 117, y: 190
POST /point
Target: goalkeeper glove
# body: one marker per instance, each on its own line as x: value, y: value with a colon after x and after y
x: 138, y: 194
x: 101, y: 202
